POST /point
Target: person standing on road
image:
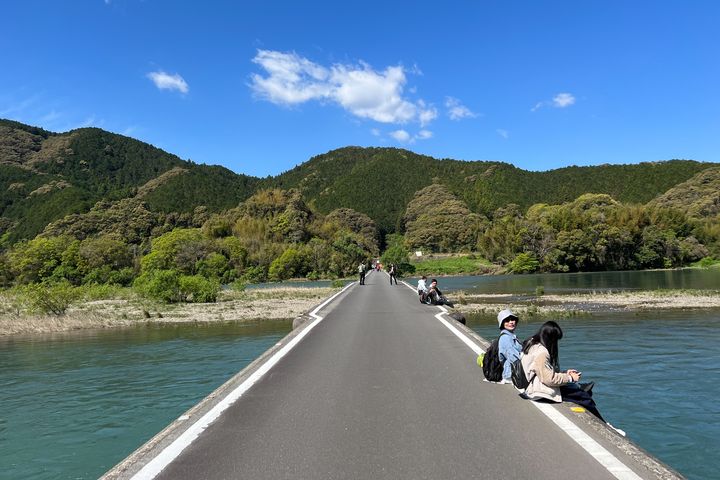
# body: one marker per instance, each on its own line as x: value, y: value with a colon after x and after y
x: 422, y: 289
x: 393, y: 273
x: 361, y: 271
x: 541, y: 363
x: 509, y: 347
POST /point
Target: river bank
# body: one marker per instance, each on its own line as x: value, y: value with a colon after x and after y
x: 232, y: 306
x: 585, y: 303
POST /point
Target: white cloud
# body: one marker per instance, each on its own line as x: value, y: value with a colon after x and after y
x: 165, y: 81
x: 375, y: 132
x: 424, y: 134
x: 503, y: 133
x: 401, y: 136
x: 359, y: 89
x: 456, y: 110
x: 404, y: 136
x: 427, y: 114
x: 561, y: 100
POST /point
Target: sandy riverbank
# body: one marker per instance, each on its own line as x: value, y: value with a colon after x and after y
x: 250, y: 305
x: 289, y: 302
x: 575, y: 304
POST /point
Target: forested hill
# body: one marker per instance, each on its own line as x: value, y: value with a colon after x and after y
x: 381, y: 182
x: 45, y: 177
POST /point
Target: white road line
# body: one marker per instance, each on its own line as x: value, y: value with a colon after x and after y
x: 618, y: 469
x: 172, y: 451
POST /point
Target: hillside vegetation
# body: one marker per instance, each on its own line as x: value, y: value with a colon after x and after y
x: 92, y: 207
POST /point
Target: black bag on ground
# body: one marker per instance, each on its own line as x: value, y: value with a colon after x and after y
x: 519, y: 378
x: 580, y: 394
x: 491, y: 365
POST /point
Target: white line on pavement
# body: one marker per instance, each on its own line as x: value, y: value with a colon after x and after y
x: 171, y: 452
x: 618, y: 469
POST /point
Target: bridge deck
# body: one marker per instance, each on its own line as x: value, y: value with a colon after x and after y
x: 380, y: 388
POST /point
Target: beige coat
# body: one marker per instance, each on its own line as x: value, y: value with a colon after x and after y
x: 546, y: 382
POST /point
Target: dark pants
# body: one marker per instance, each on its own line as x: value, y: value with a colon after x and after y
x: 392, y: 277
x: 362, y: 278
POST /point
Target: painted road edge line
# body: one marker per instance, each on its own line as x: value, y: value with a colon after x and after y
x: 618, y: 469
x: 172, y: 451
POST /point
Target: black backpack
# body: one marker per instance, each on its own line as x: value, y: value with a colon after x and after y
x: 519, y: 378
x: 491, y: 364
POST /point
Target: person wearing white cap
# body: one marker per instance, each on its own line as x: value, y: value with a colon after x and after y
x: 509, y: 347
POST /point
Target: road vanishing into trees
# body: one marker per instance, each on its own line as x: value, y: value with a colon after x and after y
x: 379, y: 386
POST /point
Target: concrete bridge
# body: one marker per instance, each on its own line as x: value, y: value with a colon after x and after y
x: 374, y: 385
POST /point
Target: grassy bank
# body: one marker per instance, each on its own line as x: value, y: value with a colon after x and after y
x: 452, y: 264
x: 122, y: 307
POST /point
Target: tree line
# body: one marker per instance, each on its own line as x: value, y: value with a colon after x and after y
x: 275, y: 235
x: 593, y: 232
x: 272, y: 236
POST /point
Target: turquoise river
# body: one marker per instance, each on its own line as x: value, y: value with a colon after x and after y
x: 74, y: 404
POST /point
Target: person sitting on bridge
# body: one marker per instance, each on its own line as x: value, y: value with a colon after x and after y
x: 436, y: 297
x: 422, y: 288
x: 542, y: 367
x: 509, y: 347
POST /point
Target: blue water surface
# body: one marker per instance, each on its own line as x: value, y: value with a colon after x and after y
x: 75, y: 404
x: 656, y: 376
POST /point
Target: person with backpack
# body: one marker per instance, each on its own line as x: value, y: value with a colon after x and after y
x: 361, y: 272
x: 509, y: 347
x: 541, y: 365
x: 393, y: 273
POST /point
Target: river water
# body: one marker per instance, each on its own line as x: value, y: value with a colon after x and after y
x: 74, y: 404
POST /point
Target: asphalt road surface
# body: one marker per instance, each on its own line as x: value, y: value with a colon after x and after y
x: 381, y: 389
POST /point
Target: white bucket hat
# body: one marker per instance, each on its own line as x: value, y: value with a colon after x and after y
x: 504, y: 315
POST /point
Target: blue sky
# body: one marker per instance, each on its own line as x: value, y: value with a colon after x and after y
x: 260, y: 87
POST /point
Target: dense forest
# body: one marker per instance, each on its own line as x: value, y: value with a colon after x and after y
x: 91, y: 207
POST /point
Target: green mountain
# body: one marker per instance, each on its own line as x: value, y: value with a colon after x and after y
x: 699, y: 196
x: 380, y: 182
x: 46, y: 177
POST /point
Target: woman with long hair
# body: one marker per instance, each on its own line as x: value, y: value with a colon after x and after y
x: 541, y: 363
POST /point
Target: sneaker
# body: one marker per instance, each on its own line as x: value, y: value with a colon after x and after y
x: 504, y: 381
x: 621, y: 432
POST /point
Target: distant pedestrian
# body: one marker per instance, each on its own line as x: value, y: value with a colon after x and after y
x: 361, y: 272
x: 393, y: 273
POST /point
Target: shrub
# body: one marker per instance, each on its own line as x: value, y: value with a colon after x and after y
x: 161, y: 285
x: 239, y: 286
x: 198, y: 289
x: 707, y: 262
x: 49, y: 298
x: 524, y: 263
